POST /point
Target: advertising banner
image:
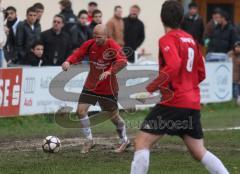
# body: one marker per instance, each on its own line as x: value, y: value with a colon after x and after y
x: 217, y: 87
x: 10, y: 91
x: 29, y: 91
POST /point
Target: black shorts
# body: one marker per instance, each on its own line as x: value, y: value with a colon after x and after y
x: 173, y: 121
x: 106, y: 102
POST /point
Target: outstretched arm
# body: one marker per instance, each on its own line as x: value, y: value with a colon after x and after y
x: 76, y: 56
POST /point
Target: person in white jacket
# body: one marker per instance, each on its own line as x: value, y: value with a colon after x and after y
x: 3, y: 36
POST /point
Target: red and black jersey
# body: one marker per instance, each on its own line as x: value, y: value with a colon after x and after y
x: 181, y: 69
x: 107, y: 57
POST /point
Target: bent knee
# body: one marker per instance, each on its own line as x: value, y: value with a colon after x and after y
x: 198, y: 154
x: 81, y: 113
x: 145, y: 140
x: 140, y: 144
x: 114, y: 115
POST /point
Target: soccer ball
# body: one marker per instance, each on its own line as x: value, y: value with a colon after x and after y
x: 51, y: 144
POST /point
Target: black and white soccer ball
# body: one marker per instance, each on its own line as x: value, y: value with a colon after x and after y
x: 51, y: 144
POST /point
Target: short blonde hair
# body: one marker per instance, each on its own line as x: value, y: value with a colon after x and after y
x: 136, y: 6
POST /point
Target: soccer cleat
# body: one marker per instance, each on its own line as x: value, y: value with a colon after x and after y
x: 87, y: 146
x: 122, y: 146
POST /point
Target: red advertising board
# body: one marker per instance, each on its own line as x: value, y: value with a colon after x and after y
x: 10, y: 91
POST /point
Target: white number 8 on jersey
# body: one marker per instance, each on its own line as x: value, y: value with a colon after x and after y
x: 190, y: 59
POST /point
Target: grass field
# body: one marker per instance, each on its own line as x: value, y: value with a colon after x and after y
x: 21, y: 137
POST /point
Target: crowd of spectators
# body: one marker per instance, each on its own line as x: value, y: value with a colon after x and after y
x: 70, y: 31
x: 218, y: 36
x: 24, y: 42
x: 67, y: 33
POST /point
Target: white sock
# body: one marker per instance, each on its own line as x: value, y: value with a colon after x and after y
x: 213, y: 164
x: 121, y: 129
x: 140, y: 162
x: 85, y: 127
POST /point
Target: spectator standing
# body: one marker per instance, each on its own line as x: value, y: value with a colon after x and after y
x: 97, y: 19
x: 35, y: 56
x: 193, y: 23
x: 223, y: 36
x: 92, y: 6
x: 57, y: 45
x: 40, y: 10
x: 2, y: 35
x: 67, y: 12
x: 235, y: 55
x: 11, y: 24
x: 115, y: 26
x: 28, y: 31
x: 134, y: 33
x: 81, y: 32
x: 211, y: 25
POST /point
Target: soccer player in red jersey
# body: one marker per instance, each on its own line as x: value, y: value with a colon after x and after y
x: 181, y: 70
x: 106, y: 60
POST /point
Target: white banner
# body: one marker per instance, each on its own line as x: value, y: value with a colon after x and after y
x: 35, y: 91
x: 35, y: 96
x: 217, y: 87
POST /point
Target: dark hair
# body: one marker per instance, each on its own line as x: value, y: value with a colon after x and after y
x: 31, y: 9
x: 236, y: 44
x: 136, y: 6
x: 172, y: 13
x: 11, y: 8
x: 60, y: 16
x: 224, y: 14
x: 192, y: 5
x: 36, y: 43
x: 217, y: 10
x: 82, y: 12
x: 92, y: 3
x: 38, y: 5
x: 66, y: 3
x: 96, y: 12
x: 7, y: 9
x: 116, y: 7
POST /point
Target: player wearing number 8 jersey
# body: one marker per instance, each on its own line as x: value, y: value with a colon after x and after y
x: 181, y: 70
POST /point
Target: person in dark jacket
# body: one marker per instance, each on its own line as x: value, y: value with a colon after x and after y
x: 134, y: 32
x: 67, y: 12
x: 211, y: 25
x: 81, y: 32
x: 40, y: 10
x: 11, y: 24
x: 57, y: 45
x: 27, y: 33
x: 193, y: 23
x: 223, y: 36
x: 96, y: 19
x: 35, y: 56
x: 92, y: 6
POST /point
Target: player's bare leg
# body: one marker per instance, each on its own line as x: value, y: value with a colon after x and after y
x: 118, y: 121
x: 200, y: 153
x: 82, y: 111
x: 143, y: 144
